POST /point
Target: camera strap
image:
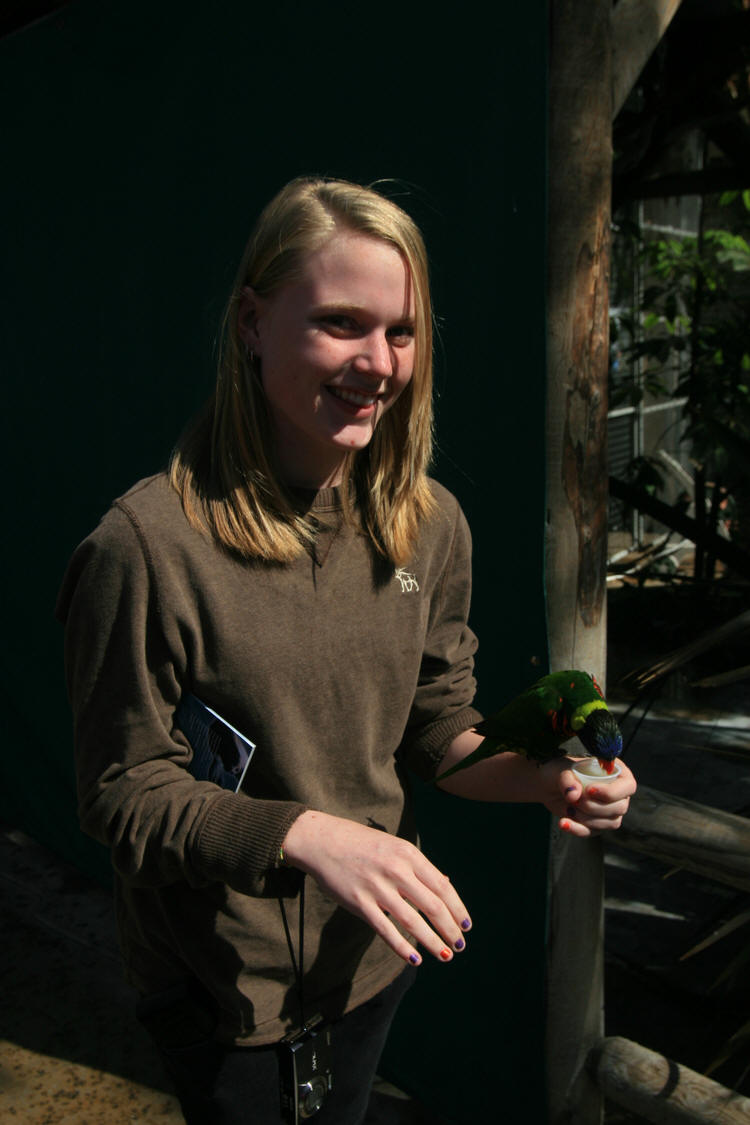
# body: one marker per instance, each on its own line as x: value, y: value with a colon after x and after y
x: 297, y: 964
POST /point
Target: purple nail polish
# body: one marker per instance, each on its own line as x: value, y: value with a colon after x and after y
x: 466, y: 924
x: 459, y: 944
x: 570, y: 789
x: 414, y: 958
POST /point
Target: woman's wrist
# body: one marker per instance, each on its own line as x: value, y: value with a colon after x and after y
x: 300, y: 839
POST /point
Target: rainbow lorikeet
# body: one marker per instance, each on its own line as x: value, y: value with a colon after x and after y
x: 539, y: 720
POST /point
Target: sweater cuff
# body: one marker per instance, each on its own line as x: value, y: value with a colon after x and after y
x: 240, y: 841
x: 424, y: 755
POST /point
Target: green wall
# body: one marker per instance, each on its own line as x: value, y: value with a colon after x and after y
x: 139, y: 141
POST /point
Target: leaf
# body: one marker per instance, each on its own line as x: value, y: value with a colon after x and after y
x: 731, y: 249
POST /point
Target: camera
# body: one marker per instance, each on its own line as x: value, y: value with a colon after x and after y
x: 305, y: 1070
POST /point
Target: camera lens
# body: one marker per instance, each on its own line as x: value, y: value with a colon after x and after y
x: 311, y: 1096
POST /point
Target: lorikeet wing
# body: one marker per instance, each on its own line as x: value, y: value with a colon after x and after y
x: 533, y: 724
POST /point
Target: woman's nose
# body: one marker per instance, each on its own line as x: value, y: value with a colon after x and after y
x: 375, y: 356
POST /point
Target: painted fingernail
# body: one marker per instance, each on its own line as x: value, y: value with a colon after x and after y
x: 414, y: 958
x: 445, y: 954
x: 592, y: 791
x: 466, y: 924
x: 459, y: 944
x: 565, y: 825
x: 571, y: 789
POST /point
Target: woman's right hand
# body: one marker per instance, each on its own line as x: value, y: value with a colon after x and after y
x: 381, y: 879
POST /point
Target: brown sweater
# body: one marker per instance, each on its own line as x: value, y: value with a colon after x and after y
x: 339, y: 670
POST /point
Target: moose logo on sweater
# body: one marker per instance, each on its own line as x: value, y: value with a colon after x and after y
x: 409, y: 584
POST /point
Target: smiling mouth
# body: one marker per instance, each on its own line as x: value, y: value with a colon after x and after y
x: 356, y: 398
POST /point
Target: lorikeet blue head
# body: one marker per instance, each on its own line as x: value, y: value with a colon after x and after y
x: 601, y: 736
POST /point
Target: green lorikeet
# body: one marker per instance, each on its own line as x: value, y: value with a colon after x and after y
x: 539, y: 720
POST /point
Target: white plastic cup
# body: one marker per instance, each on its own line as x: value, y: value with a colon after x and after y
x: 588, y: 771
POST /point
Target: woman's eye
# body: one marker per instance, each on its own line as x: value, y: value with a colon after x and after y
x: 339, y: 321
x: 401, y: 335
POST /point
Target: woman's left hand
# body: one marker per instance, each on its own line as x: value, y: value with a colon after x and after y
x: 584, y: 810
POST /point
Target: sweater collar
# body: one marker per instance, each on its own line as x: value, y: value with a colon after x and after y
x: 318, y: 500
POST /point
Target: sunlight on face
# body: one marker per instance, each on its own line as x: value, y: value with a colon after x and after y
x: 336, y: 349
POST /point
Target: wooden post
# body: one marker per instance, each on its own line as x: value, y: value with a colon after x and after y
x: 580, y: 169
x: 580, y: 172
x: 585, y: 92
x: 662, y: 1091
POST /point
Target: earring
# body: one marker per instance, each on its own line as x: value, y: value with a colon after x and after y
x: 252, y: 363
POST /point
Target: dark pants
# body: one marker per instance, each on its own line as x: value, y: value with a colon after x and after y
x: 224, y: 1085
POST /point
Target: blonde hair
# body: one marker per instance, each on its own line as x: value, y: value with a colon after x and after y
x: 224, y: 466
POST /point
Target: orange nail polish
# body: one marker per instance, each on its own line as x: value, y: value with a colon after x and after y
x: 565, y: 825
x: 445, y: 954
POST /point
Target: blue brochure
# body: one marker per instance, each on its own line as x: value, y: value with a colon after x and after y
x: 220, y: 753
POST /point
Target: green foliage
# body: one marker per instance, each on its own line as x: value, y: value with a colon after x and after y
x: 728, y: 197
x: 691, y: 339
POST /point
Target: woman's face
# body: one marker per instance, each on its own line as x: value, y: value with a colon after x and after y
x: 336, y: 349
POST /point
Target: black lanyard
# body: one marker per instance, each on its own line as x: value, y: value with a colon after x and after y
x: 298, y: 966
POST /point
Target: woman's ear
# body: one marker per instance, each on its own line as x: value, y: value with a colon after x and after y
x: 250, y: 307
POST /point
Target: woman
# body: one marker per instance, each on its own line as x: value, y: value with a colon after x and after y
x: 299, y: 573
